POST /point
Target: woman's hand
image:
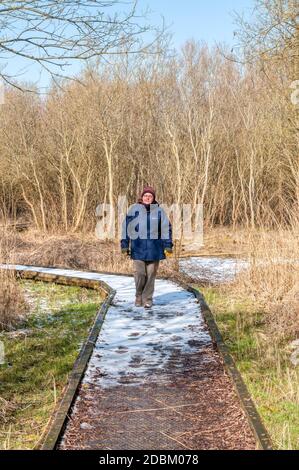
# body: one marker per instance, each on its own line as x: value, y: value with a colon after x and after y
x: 168, y: 252
x: 125, y: 251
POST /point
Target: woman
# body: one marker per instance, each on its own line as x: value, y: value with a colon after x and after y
x: 147, y: 238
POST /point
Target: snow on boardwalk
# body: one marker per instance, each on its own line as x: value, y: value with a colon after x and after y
x: 154, y: 380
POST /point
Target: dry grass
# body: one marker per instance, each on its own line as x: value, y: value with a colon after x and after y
x: 77, y: 251
x: 272, y: 280
x: 12, y: 303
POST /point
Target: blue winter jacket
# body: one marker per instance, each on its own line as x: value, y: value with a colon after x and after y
x: 147, y: 231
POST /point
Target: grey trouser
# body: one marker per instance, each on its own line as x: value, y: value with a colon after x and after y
x: 145, y: 274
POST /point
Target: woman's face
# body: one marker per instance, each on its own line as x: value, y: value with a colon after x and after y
x: 147, y: 198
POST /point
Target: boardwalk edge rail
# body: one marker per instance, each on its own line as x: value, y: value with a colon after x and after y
x: 260, y: 432
x: 62, y: 414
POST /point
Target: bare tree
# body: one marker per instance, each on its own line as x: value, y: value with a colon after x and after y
x: 54, y: 34
x: 272, y: 33
x: 196, y: 127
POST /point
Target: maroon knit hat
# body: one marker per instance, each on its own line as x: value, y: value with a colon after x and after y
x: 148, y: 189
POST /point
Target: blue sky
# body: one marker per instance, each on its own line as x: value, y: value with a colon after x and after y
x: 210, y: 21
x: 207, y: 20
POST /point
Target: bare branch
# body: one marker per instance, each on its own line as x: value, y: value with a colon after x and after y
x: 55, y: 33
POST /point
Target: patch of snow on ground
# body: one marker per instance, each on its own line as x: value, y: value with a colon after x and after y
x: 212, y: 269
x: 136, y: 345
x: 216, y: 270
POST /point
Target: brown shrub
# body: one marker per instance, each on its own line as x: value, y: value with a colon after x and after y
x: 12, y: 302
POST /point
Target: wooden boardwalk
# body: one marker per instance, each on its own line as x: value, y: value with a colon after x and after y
x: 155, y: 380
